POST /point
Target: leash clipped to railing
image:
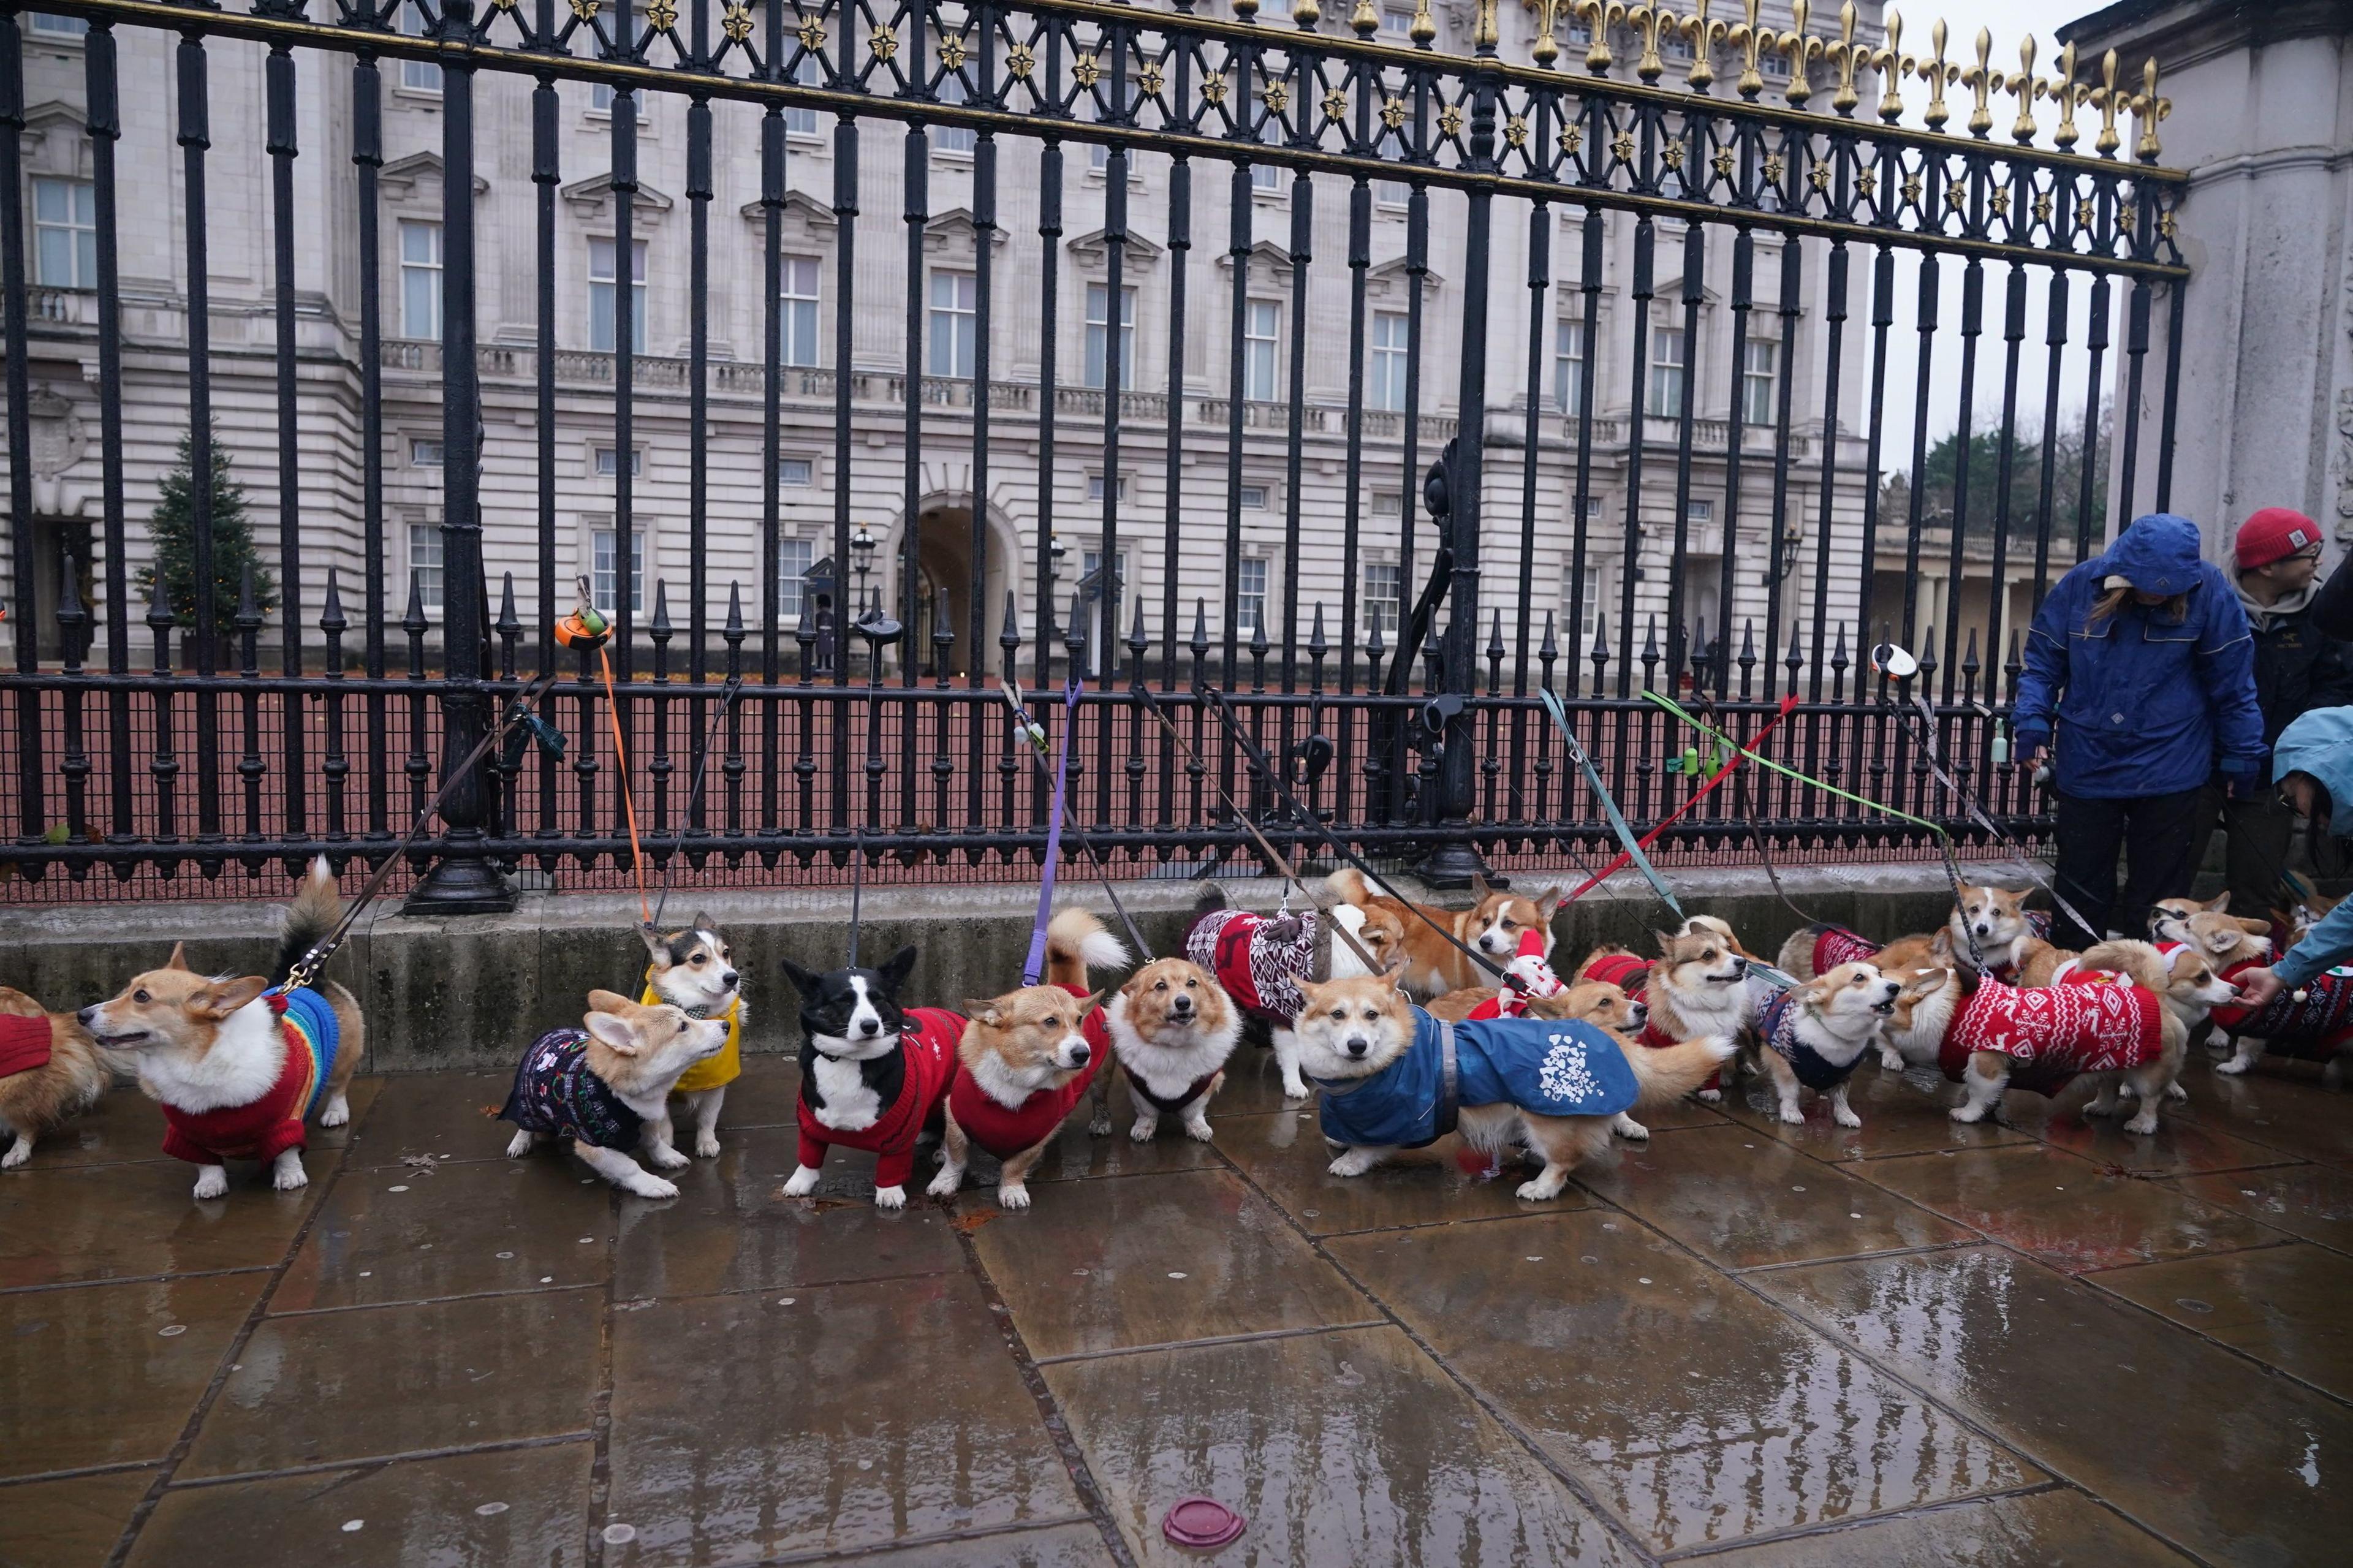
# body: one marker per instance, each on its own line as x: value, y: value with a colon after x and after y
x: 1034, y: 966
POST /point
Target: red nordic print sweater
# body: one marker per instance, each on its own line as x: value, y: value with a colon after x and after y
x: 929, y: 1045
x: 1006, y: 1132
x: 1834, y: 945
x: 2053, y: 1033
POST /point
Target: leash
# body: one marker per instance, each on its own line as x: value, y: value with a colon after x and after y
x: 1216, y: 701
x: 1035, y: 732
x: 1274, y: 856
x: 1034, y: 967
x: 306, y: 968
x: 628, y: 798
x: 1583, y: 760
x: 1746, y: 806
x: 857, y: 889
x: 694, y: 794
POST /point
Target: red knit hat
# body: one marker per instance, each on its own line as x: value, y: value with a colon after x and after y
x: 2272, y: 535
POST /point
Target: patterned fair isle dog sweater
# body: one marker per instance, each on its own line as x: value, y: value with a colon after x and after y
x: 1834, y: 945
x: 272, y: 1124
x: 929, y: 1045
x: 2052, y: 1033
x: 2315, y: 1028
x: 1258, y: 959
x: 1550, y: 1067
x: 556, y: 1094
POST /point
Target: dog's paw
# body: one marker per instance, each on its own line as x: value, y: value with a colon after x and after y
x: 18, y: 1153
x: 1538, y: 1190
x: 667, y: 1160
x: 1970, y: 1113
x: 706, y: 1146
x: 1100, y: 1127
x: 337, y: 1112
x: 1710, y: 1096
x: 2176, y: 1092
x: 890, y: 1197
x: 646, y: 1185
x: 2234, y: 1067
x: 289, y: 1176
x: 1295, y: 1089
x: 945, y: 1183
x: 1198, y: 1130
x: 1009, y: 1197
x: 1626, y: 1126
x: 2146, y: 1123
x: 1890, y: 1059
x: 1354, y: 1162
x: 802, y: 1182
x: 1146, y: 1129
x: 1793, y: 1117
x: 1844, y: 1117
x: 212, y: 1181
x: 519, y: 1144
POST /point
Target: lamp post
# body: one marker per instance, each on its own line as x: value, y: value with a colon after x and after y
x: 861, y: 561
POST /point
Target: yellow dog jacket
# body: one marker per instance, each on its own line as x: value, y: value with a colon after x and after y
x: 712, y: 1072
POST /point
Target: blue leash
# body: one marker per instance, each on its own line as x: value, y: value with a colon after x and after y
x: 1617, y: 818
x: 1034, y: 967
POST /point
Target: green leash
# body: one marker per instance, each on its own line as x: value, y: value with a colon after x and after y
x: 1601, y: 792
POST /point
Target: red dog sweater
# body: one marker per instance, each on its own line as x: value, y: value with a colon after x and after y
x: 2052, y: 1033
x: 272, y: 1124
x: 929, y: 1045
x: 1006, y: 1132
x: 2317, y: 1026
x: 1834, y: 945
x: 1632, y: 974
x: 24, y: 1043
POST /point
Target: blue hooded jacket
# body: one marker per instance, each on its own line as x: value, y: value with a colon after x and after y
x: 2143, y: 704
x: 2320, y: 743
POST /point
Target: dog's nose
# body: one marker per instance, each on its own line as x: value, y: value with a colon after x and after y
x: 1080, y: 1055
x: 1640, y: 1011
x: 1739, y: 966
x: 728, y: 979
x: 1358, y: 1046
x: 85, y: 1015
x: 870, y: 1026
x: 1182, y: 1006
x: 1984, y: 929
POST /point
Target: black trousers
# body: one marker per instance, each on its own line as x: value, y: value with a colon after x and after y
x: 2159, y: 838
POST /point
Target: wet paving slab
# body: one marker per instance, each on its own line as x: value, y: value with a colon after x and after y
x: 2280, y: 1106
x: 1902, y: 1113
x: 471, y: 1511
x: 2064, y: 1210
x: 64, y: 1227
x: 2286, y: 1306
x: 72, y: 1522
x: 1156, y: 1260
x: 1263, y: 1424
x: 2315, y: 1202
x: 1694, y: 1412
x: 1285, y: 1156
x: 435, y: 1116
x: 327, y: 1388
x: 2198, y: 1444
x: 2058, y: 1528
x: 822, y: 1420
x: 2179, y: 1147
x: 1742, y: 1200
x: 1060, y: 1546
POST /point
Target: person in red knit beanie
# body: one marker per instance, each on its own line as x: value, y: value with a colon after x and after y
x: 2297, y: 669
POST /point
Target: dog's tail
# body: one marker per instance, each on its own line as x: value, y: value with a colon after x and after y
x: 1348, y: 884
x: 1076, y: 942
x: 1669, y: 1072
x: 1797, y: 955
x: 2137, y: 962
x: 14, y: 1004
x: 318, y: 905
x: 1213, y: 899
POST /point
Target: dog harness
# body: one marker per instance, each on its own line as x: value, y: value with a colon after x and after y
x: 556, y: 1092
x: 2318, y: 1026
x: 1549, y: 1067
x: 2051, y: 1033
x: 711, y: 1072
x: 929, y: 1045
x: 1778, y: 1027
x: 1834, y: 945
x: 1004, y: 1132
x: 1252, y: 957
x: 310, y: 1032
x: 24, y: 1043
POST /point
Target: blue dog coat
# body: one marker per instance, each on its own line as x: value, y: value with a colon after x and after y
x: 1552, y: 1066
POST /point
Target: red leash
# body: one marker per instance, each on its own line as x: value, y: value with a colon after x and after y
x: 1626, y: 857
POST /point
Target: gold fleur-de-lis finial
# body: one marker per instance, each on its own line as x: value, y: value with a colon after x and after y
x: 1751, y: 40
x: 1704, y: 35
x: 2108, y: 98
x: 1547, y: 48
x: 1366, y: 20
x: 1803, y: 49
x: 1598, y: 16
x: 1848, y: 57
x: 2024, y: 86
x: 1981, y: 78
x: 1425, y: 26
x: 2063, y: 90
x: 1938, y: 76
x: 1892, y: 65
x: 1646, y: 21
x: 1306, y: 13
x: 1246, y: 10
x: 2147, y: 109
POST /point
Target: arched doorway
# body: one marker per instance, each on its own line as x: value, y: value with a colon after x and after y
x: 944, y: 581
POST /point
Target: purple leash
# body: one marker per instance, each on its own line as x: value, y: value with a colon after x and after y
x: 1035, y: 966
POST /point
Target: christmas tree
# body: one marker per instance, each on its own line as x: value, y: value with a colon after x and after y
x: 173, y: 530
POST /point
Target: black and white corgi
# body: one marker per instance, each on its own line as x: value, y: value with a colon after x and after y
x: 873, y: 1074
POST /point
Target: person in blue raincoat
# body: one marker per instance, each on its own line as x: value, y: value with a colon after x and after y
x: 2313, y: 765
x: 2139, y: 682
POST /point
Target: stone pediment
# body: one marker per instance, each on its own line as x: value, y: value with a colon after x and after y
x: 401, y: 177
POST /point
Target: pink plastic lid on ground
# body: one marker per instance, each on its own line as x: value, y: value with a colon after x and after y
x: 1202, y: 1522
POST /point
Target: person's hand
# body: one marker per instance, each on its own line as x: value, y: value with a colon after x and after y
x: 2245, y: 783
x: 2028, y: 742
x: 2259, y: 987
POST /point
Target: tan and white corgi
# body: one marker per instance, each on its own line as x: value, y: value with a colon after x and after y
x: 51, y: 1071
x: 1172, y: 1027
x: 693, y: 970
x: 604, y: 1085
x: 1996, y: 920
x: 1490, y: 926
x: 1813, y: 1035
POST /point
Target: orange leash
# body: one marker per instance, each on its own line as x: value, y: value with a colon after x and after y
x: 628, y: 799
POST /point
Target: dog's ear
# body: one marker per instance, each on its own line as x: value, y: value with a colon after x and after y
x: 655, y: 948
x: 895, y: 969
x: 1395, y: 972
x: 219, y: 1000
x: 1921, y: 986
x: 1940, y: 946
x: 983, y: 1010
x: 804, y: 981
x: 2219, y: 904
x: 1666, y: 943
x: 702, y: 921
x: 1479, y: 887
x: 2223, y: 939
x: 613, y: 1029
x: 179, y: 959
x: 1547, y: 901
x: 1091, y: 1003
x: 2252, y: 928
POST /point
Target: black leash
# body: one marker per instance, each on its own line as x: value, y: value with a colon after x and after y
x: 857, y: 888
x: 693, y: 795
x: 306, y: 968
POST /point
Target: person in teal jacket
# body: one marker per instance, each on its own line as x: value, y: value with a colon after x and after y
x: 2139, y: 681
x: 2313, y: 765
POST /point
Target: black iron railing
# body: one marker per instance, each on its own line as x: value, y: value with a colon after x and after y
x: 1408, y: 741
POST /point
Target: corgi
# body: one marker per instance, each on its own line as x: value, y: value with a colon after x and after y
x: 2291, y: 925
x: 2313, y: 1022
x: 1490, y: 926
x: 605, y: 1085
x: 1816, y: 949
x: 1172, y: 1027
x: 1814, y: 1035
x: 1996, y: 920
x: 239, y: 1066
x: 1592, y: 1001
x: 692, y: 970
x: 2168, y: 919
x: 1024, y: 1060
x: 51, y: 1071
x: 1259, y: 959
x: 1550, y: 1084
x: 873, y: 1074
x: 2188, y: 988
x: 1698, y: 985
